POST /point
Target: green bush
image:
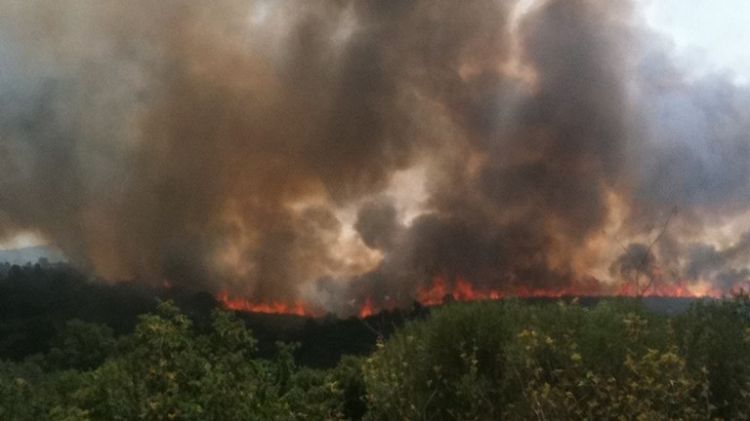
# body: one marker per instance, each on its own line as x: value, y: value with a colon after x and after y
x: 450, y: 367
x: 508, y: 360
x: 164, y: 371
x: 479, y: 361
x: 559, y: 383
x: 713, y: 336
x: 81, y: 346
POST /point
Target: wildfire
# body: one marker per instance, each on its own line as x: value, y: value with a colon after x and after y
x: 462, y: 290
x: 439, y: 291
x: 241, y: 304
x: 367, y: 309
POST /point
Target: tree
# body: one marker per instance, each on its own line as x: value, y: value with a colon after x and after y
x: 81, y: 346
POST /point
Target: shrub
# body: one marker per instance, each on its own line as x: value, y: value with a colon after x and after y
x: 506, y: 360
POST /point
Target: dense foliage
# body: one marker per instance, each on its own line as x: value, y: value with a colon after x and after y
x: 513, y: 360
x: 479, y: 361
x: 165, y: 371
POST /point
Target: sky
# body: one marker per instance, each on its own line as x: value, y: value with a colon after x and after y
x: 713, y: 35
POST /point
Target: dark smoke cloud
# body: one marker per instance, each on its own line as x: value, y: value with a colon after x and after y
x: 378, y: 225
x: 252, y: 146
x: 548, y: 157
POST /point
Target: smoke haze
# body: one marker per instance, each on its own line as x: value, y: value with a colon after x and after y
x: 329, y: 151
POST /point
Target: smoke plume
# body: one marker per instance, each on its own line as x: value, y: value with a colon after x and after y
x: 332, y: 151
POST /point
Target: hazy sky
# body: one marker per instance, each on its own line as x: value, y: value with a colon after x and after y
x: 711, y: 33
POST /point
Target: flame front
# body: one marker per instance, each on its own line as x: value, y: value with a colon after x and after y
x: 440, y: 291
x: 462, y: 290
x: 241, y: 304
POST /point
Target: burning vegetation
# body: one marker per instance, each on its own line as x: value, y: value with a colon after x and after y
x: 439, y: 292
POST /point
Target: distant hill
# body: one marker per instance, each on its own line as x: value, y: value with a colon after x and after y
x: 25, y: 255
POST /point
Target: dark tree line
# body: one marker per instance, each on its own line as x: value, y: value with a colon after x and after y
x: 36, y: 301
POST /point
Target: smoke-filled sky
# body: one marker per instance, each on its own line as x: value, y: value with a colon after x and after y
x: 329, y: 151
x: 710, y: 34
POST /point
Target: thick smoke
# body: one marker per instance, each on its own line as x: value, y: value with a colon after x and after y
x: 259, y: 147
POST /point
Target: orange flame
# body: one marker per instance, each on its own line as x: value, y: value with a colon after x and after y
x: 439, y: 291
x: 462, y: 290
x: 367, y: 309
x: 276, y: 307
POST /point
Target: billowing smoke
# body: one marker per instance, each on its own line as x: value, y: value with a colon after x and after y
x: 329, y: 151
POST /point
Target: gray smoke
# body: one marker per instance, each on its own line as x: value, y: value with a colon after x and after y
x: 252, y: 146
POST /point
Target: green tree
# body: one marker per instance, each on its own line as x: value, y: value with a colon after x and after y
x: 81, y: 346
x: 166, y: 372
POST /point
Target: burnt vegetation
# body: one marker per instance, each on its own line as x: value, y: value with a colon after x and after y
x: 75, y: 349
